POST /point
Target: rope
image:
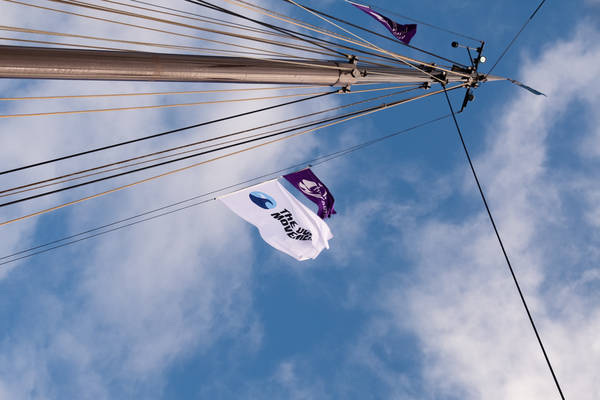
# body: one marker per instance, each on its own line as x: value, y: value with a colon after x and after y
x: 209, y: 20
x: 200, y: 38
x: 64, y: 44
x: 425, y: 23
x: 116, y: 189
x: 353, y: 49
x: 195, y: 103
x: 287, y: 32
x: 512, y: 272
x: 516, y: 36
x: 315, y: 161
x: 246, y: 141
x: 137, y: 43
x: 183, y: 25
x: 386, y: 37
x: 149, y: 29
x: 84, y: 96
x: 338, y: 45
x: 15, y: 190
x: 263, y: 11
x: 161, y: 134
x: 365, y: 40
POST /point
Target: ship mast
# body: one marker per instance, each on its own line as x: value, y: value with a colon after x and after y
x: 76, y: 64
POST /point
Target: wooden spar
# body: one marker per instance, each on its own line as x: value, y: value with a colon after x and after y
x: 54, y: 63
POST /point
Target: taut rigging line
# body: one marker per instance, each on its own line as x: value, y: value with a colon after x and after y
x: 512, y: 272
x: 162, y: 133
x: 157, y: 30
x: 195, y: 27
x: 338, y: 45
x: 73, y: 176
x: 158, y: 106
x: 121, y: 41
x: 171, y: 172
x: 85, y: 96
x: 332, y: 120
x: 363, y: 42
x: 313, y: 162
x: 382, y: 36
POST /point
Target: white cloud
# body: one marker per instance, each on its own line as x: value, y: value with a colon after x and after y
x: 474, y: 336
x: 130, y: 303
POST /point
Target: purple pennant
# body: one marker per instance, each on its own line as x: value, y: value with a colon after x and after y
x: 404, y: 33
x: 315, y: 190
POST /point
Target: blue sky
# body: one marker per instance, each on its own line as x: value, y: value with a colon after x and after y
x: 413, y: 300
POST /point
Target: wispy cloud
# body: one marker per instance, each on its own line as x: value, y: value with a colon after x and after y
x: 127, y: 305
x: 463, y: 308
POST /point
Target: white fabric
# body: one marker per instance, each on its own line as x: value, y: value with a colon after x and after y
x: 273, y: 219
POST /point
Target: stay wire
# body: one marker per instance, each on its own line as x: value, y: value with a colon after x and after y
x: 184, y: 25
x: 383, y: 36
x: 179, y: 92
x: 364, y: 113
x: 338, y: 45
x: 516, y: 36
x: 169, y: 132
x: 228, y: 146
x: 425, y: 23
x: 321, y: 40
x: 413, y: 63
x: 205, y: 19
x: 313, y: 162
x: 77, y: 45
x: 127, y: 42
x: 220, y: 42
x: 314, y: 39
x: 410, y: 62
x: 155, y: 106
x: 287, y: 32
x: 78, y: 174
x: 512, y: 272
x: 360, y: 52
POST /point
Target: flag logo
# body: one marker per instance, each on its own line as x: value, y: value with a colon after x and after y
x: 314, y: 189
x: 263, y: 200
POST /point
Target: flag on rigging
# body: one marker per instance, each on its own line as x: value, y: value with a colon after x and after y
x: 281, y: 219
x: 315, y: 190
x: 404, y: 33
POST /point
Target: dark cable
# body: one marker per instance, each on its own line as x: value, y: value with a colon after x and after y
x: 195, y: 155
x: 426, y: 24
x: 163, y: 133
x: 212, y: 139
x: 315, y: 161
x: 288, y: 32
x: 512, y: 272
x: 516, y: 36
x: 381, y: 36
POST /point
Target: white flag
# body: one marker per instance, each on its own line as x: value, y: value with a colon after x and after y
x: 281, y: 219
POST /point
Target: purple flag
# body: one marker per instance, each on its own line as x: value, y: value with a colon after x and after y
x: 402, y: 32
x: 312, y: 187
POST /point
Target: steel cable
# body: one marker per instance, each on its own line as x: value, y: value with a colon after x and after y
x: 158, y: 106
x: 155, y: 135
x: 78, y: 175
x: 171, y: 172
x: 148, y: 28
x: 315, y: 161
x: 512, y: 272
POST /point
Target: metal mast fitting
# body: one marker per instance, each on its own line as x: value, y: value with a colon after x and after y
x: 53, y: 63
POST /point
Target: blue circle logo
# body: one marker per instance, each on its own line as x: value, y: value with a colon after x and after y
x: 263, y: 200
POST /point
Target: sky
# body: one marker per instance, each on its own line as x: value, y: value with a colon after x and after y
x: 413, y: 300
